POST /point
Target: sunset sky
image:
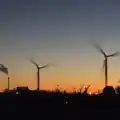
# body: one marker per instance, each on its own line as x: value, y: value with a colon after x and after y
x: 59, y: 32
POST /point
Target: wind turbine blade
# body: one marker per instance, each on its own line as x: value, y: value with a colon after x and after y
x: 33, y: 62
x: 45, y: 66
x: 99, y: 49
x: 114, y: 54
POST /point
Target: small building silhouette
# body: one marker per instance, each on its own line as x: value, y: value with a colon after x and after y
x: 22, y: 89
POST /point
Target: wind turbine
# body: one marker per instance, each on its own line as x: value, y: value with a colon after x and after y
x: 105, y: 62
x: 4, y: 69
x: 38, y: 72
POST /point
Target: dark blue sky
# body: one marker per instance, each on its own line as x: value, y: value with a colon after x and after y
x: 58, y: 31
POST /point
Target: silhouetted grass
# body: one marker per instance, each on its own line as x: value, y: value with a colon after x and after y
x: 59, y: 104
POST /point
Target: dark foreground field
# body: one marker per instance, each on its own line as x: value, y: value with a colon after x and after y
x: 58, y: 106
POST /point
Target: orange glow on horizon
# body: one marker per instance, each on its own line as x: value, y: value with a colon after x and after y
x: 67, y: 80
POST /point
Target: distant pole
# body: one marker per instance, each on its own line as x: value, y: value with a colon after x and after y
x: 8, y: 83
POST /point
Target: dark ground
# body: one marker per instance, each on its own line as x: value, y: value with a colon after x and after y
x: 59, y: 106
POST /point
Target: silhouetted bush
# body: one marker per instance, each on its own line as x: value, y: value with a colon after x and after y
x: 117, y: 89
x: 109, y: 91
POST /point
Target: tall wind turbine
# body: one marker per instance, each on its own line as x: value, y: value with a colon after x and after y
x: 4, y: 69
x: 105, y: 64
x: 38, y: 72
